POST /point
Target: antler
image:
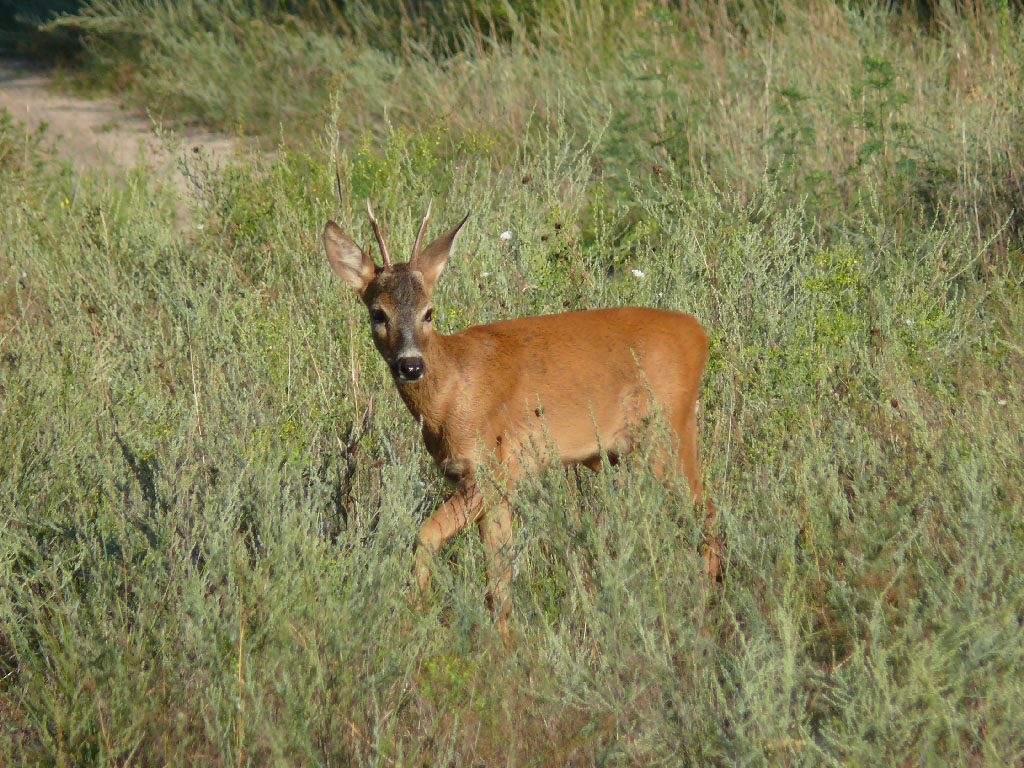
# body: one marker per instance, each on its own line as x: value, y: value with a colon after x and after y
x: 384, y: 254
x: 423, y: 230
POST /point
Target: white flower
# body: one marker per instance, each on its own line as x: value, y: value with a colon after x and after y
x: 1002, y: 402
x: 506, y: 235
x: 637, y: 272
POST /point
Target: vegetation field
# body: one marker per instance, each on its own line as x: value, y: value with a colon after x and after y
x: 210, y: 491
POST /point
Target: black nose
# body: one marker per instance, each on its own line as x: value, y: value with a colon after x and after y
x: 411, y: 368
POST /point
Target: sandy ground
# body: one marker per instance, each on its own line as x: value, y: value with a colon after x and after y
x: 99, y: 132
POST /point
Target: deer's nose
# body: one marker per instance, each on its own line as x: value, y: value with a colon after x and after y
x: 410, y: 368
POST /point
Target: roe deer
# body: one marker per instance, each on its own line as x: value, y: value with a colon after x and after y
x: 517, y: 393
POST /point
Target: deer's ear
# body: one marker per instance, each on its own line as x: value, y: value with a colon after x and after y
x: 347, y: 259
x: 431, y: 262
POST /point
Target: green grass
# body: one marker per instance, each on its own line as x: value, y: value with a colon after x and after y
x: 835, y: 106
x: 210, y: 489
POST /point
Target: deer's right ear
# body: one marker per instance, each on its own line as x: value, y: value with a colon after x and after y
x: 347, y: 259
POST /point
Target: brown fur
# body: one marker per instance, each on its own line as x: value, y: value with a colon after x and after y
x: 522, y: 392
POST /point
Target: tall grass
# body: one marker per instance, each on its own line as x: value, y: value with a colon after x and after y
x: 829, y: 102
x: 210, y: 491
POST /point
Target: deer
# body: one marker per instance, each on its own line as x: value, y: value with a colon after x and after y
x: 515, y: 395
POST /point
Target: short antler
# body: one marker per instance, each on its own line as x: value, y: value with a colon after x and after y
x: 384, y: 253
x: 423, y: 230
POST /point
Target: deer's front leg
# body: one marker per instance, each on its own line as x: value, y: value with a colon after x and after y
x: 496, y: 533
x: 448, y: 519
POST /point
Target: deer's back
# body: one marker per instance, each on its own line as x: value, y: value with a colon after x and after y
x: 555, y: 378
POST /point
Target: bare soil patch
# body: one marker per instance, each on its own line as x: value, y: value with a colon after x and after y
x: 100, y: 133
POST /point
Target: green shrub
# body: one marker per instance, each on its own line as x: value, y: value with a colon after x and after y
x: 210, y: 490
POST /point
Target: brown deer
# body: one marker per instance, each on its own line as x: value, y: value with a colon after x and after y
x: 517, y: 394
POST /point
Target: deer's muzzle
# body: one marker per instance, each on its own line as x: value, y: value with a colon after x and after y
x: 410, y: 368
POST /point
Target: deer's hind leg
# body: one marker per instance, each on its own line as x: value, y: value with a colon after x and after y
x: 684, y: 424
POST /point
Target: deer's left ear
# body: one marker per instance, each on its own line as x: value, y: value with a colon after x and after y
x: 431, y: 262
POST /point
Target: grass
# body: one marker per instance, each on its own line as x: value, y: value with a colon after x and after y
x: 831, y: 104
x: 211, y: 490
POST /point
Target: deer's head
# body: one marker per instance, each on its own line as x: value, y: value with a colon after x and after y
x: 396, y: 295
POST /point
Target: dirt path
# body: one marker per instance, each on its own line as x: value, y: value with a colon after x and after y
x: 99, y: 133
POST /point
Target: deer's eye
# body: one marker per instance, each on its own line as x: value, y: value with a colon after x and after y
x: 379, y: 317
x: 428, y: 316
